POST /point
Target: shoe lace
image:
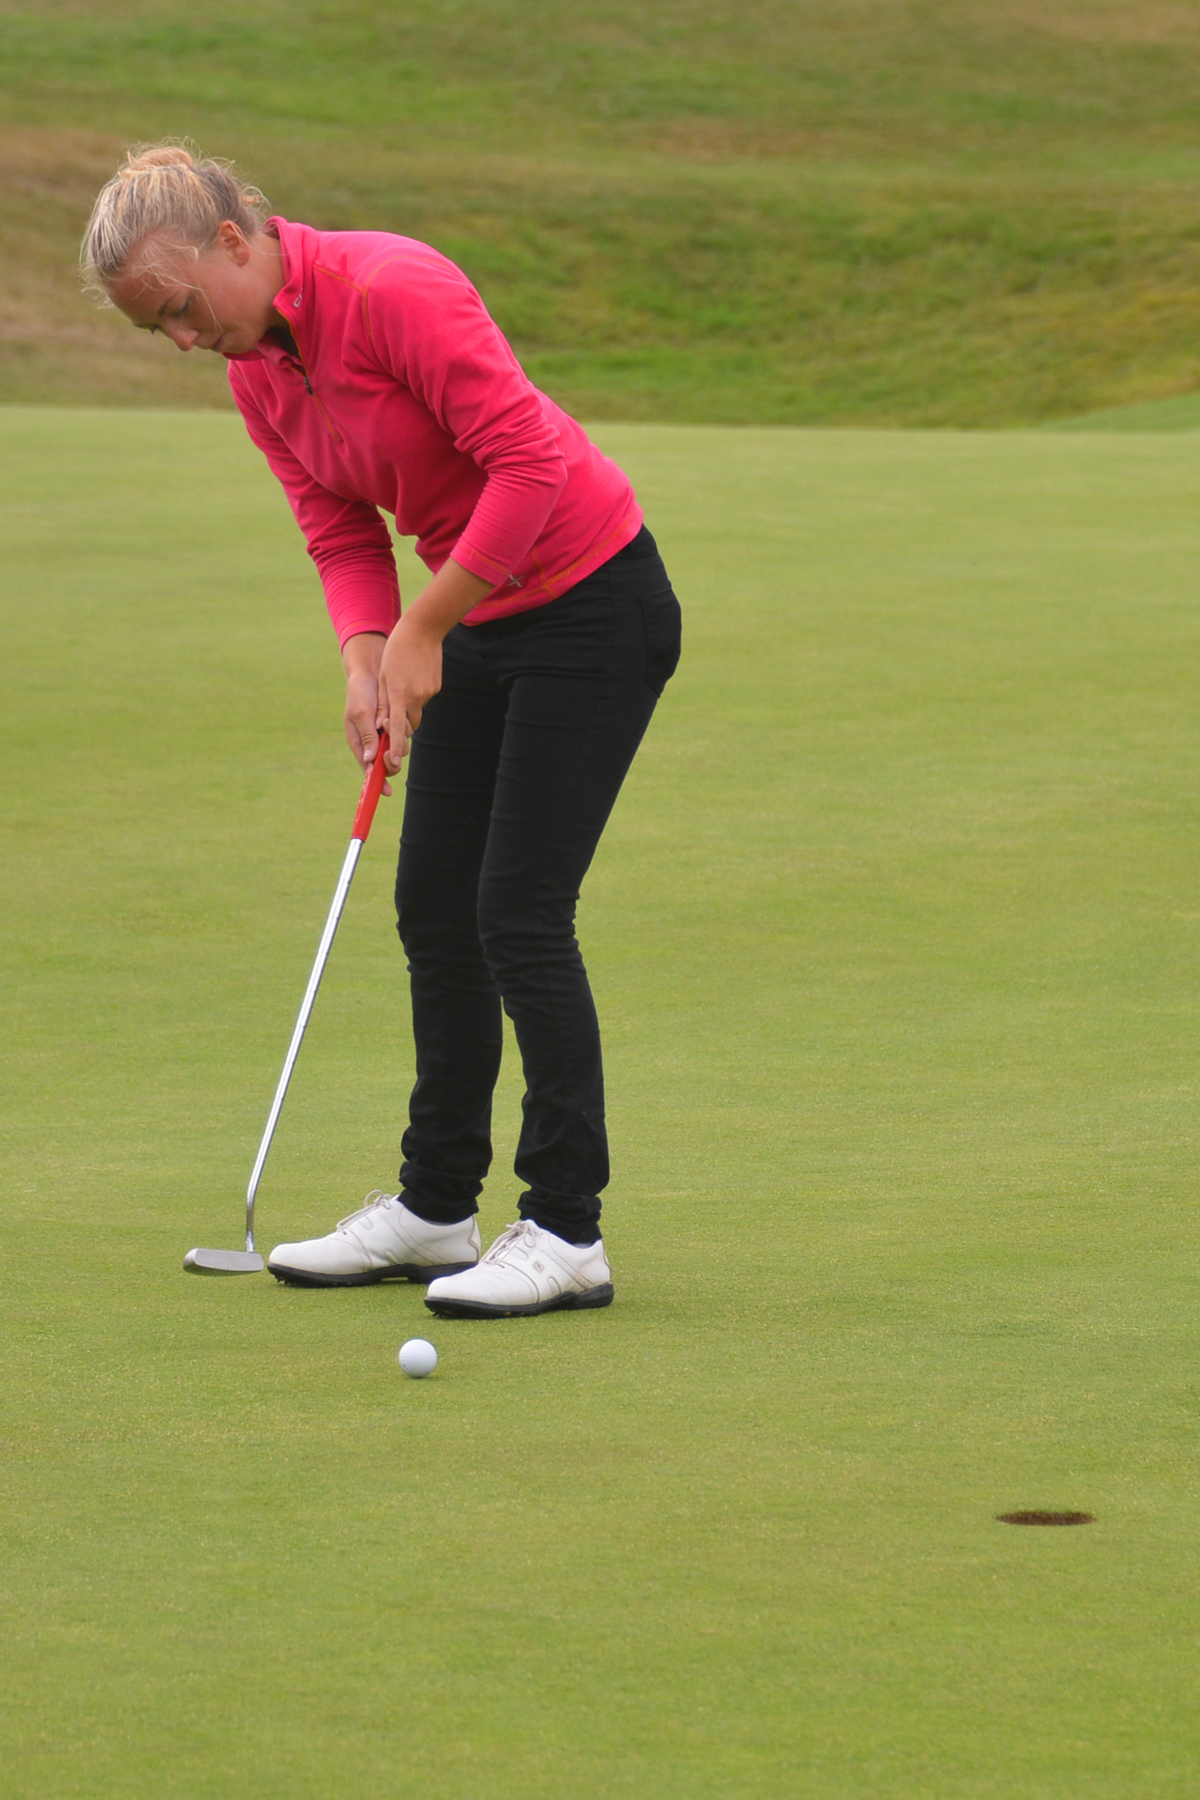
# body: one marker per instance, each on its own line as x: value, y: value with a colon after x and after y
x: 375, y: 1199
x: 521, y: 1232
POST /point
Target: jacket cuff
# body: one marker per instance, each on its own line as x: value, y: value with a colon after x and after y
x: 479, y: 562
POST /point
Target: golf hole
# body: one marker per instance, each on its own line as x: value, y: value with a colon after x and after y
x: 1045, y: 1518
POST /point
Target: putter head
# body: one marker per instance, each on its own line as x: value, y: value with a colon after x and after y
x: 223, y: 1262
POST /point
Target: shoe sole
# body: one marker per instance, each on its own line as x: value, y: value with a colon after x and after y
x: 476, y: 1309
x: 416, y: 1272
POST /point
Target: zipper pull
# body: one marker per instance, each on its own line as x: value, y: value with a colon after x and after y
x: 301, y: 371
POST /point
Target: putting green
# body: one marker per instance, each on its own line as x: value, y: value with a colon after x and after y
x: 895, y: 933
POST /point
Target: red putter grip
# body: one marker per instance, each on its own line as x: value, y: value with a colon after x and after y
x: 372, y: 787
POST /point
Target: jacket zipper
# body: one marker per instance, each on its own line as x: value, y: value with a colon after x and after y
x: 325, y: 419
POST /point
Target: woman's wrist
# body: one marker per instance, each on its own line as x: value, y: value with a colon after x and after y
x: 363, y: 653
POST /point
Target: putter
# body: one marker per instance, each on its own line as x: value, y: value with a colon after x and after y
x: 248, y: 1261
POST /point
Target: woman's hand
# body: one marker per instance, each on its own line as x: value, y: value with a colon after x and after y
x: 361, y: 657
x: 410, y: 674
x: 410, y: 670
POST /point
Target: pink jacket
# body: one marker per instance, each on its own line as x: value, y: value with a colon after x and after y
x: 407, y: 397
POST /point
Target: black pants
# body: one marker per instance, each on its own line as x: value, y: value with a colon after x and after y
x: 512, y: 776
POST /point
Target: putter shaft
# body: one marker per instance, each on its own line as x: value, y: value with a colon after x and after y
x: 306, y: 1006
x: 248, y: 1261
x: 367, y: 802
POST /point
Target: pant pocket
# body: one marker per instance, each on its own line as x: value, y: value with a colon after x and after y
x: 663, y: 622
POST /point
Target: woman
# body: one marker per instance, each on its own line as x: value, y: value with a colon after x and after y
x: 370, y: 375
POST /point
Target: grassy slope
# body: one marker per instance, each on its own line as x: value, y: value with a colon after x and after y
x: 894, y: 931
x: 1179, y: 414
x: 921, y: 211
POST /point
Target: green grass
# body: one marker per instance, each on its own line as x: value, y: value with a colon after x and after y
x: 894, y: 933
x: 1180, y: 414
x: 894, y: 212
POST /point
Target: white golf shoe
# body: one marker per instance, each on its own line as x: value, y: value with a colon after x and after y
x: 382, y: 1241
x: 527, y: 1270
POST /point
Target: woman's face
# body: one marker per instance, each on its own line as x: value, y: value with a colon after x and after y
x: 221, y: 299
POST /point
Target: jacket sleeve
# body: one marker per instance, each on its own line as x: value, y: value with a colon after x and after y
x: 347, y: 539
x: 428, y: 328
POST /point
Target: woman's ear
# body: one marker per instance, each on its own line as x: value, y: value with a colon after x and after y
x: 232, y: 240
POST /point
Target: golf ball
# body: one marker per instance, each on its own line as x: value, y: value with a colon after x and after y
x: 418, y: 1357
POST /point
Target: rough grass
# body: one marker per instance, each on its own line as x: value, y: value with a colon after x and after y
x: 938, y: 211
x: 894, y: 933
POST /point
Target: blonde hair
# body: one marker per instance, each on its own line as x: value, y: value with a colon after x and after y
x: 168, y: 188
